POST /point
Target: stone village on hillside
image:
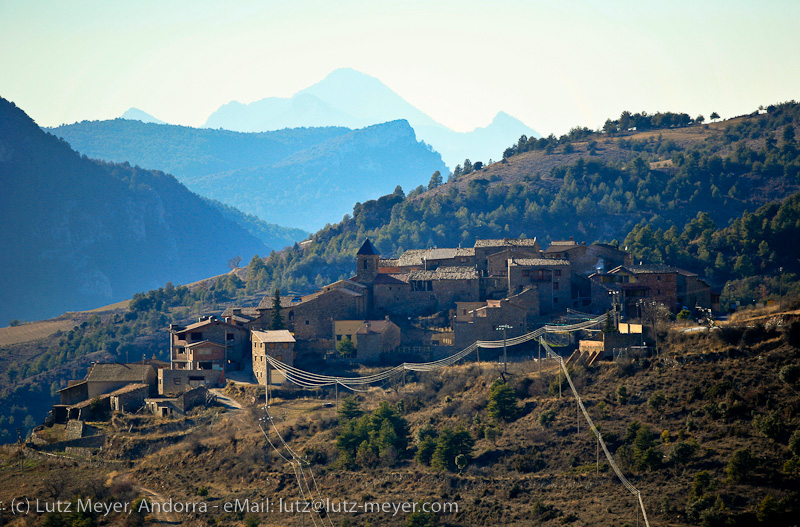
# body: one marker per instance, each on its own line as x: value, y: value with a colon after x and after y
x: 468, y: 292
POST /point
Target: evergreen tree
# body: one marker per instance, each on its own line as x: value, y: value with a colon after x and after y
x: 502, y: 401
x: 349, y: 409
x: 277, y: 317
x: 609, y: 325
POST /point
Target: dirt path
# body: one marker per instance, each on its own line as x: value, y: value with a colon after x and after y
x: 224, y: 400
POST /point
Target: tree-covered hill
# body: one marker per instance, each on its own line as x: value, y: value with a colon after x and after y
x: 589, y: 185
x: 302, y: 177
x: 79, y: 233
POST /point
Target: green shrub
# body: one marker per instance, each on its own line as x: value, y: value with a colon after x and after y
x: 657, y: 402
x: 622, y: 394
x: 547, y: 417
x: 790, y: 374
x: 768, y: 510
x: 794, y: 443
x: 771, y: 425
x: 741, y: 465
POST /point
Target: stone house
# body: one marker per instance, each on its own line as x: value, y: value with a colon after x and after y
x: 482, y: 323
x: 374, y: 338
x: 448, y: 284
x: 588, y: 259
x: 174, y: 382
x: 484, y: 248
x: 664, y: 284
x: 428, y: 260
x: 278, y: 344
x: 104, y: 378
x: 232, y: 338
x: 552, y: 278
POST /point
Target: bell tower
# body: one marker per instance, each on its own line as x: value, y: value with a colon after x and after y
x: 367, y: 259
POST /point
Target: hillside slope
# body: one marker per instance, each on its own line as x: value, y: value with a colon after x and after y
x: 79, y: 233
x: 707, y: 432
x: 302, y: 178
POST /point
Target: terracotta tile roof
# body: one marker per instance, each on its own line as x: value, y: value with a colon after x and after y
x: 128, y: 388
x: 445, y: 273
x: 539, y: 262
x: 204, y: 344
x: 387, y: 279
x: 507, y: 242
x: 116, y: 372
x: 203, y: 323
x: 276, y: 335
x: 418, y: 256
x: 374, y: 326
x: 653, y: 269
x: 286, y: 301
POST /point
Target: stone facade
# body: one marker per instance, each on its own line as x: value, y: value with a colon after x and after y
x: 552, y: 278
x: 482, y: 323
x: 278, y: 344
x: 651, y: 283
x: 174, y: 382
x: 232, y: 337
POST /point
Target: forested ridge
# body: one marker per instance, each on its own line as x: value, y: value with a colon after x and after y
x: 721, y: 201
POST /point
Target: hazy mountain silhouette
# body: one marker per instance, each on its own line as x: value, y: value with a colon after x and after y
x: 79, y: 233
x: 350, y: 98
x: 135, y: 114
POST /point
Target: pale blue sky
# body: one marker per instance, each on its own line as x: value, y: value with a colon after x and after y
x: 553, y: 64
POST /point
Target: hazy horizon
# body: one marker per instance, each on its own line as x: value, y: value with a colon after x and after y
x: 553, y: 66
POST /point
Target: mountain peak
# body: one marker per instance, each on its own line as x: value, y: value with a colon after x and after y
x: 502, y: 118
x: 135, y: 114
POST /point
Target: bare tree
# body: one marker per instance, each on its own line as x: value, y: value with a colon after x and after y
x: 234, y: 262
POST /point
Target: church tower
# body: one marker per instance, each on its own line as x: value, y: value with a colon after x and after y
x: 367, y: 259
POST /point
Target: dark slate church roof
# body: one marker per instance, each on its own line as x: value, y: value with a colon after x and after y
x: 367, y: 249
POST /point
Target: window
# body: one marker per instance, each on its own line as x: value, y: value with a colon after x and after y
x: 365, y: 264
x: 306, y: 322
x: 338, y: 337
x: 176, y: 380
x: 526, y: 272
x: 228, y: 336
x: 196, y: 336
x: 555, y: 286
x: 558, y: 272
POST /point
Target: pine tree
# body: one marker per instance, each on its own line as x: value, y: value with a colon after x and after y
x: 502, y: 401
x: 277, y: 317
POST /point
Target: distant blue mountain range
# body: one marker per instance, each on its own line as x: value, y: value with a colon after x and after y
x: 349, y: 98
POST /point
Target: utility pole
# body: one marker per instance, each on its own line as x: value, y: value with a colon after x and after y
x: 504, y: 327
x: 597, y: 456
x: 269, y: 379
x: 780, y: 290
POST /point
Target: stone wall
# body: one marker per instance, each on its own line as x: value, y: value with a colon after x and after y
x: 130, y: 401
x: 174, y: 382
x: 399, y: 299
x: 313, y: 319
